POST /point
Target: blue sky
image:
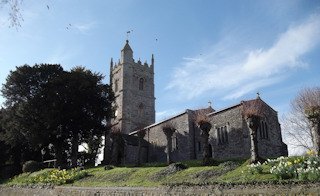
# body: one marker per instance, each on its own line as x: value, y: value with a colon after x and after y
x: 223, y: 51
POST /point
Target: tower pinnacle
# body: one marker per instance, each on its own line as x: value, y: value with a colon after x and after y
x: 126, y: 53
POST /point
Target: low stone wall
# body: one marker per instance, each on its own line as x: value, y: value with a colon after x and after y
x: 250, y: 189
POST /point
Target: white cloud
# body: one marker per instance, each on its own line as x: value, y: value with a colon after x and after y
x: 165, y: 114
x: 238, y: 73
x: 84, y: 28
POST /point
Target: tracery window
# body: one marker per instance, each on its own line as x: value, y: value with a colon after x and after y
x: 263, y: 130
x: 141, y: 84
x: 222, y: 134
x: 174, y: 142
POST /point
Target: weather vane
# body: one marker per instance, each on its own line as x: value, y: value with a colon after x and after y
x: 128, y: 32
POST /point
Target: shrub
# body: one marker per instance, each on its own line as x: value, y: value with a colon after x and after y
x: 31, y: 166
x: 108, y: 167
x: 172, y: 169
x: 52, y: 176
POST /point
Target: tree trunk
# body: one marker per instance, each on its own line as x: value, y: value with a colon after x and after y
x: 205, y: 129
x: 117, y: 146
x: 141, y: 135
x: 168, y: 131
x: 316, y: 139
x: 205, y: 153
x: 106, y: 151
x: 75, y: 149
x: 169, y: 149
x: 58, y: 155
x: 254, y: 145
x: 253, y: 124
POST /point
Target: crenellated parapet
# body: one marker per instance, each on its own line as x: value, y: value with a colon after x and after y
x: 137, y: 64
x: 133, y: 85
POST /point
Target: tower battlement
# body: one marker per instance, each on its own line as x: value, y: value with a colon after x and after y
x: 133, y: 85
x: 137, y: 64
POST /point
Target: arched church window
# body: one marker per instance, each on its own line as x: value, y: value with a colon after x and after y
x: 174, y: 142
x: 222, y: 134
x: 115, y: 85
x: 266, y: 128
x: 140, y: 111
x: 141, y: 84
x: 263, y: 130
x: 226, y: 133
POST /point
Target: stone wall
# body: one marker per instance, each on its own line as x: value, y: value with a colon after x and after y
x: 237, y: 144
x: 158, y: 142
x: 131, y: 153
x: 218, y: 189
x: 229, y: 136
x: 272, y: 146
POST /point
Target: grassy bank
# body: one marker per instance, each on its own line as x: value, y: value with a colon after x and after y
x: 155, y: 174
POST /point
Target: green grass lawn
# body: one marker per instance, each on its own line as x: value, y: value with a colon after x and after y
x: 151, y: 174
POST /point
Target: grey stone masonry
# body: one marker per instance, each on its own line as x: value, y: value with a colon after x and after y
x: 133, y: 85
x: 228, y: 138
x: 229, y: 135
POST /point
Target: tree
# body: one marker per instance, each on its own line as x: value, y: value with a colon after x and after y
x: 308, y: 102
x: 168, y: 129
x: 92, y: 149
x: 23, y: 120
x: 299, y: 132
x: 141, y: 133
x: 252, y: 112
x: 117, y: 146
x: 49, y: 105
x: 83, y: 104
x: 4, y: 154
x: 203, y: 123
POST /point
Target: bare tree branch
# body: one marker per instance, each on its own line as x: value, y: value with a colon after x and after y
x: 15, y: 15
x: 302, y: 125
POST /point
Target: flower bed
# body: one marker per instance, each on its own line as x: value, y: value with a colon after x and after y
x: 47, y: 176
x: 305, y: 168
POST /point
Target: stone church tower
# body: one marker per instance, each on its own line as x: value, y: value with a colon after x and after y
x: 133, y: 85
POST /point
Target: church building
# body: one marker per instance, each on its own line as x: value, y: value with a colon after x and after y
x: 133, y: 85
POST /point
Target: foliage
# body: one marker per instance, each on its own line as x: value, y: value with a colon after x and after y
x: 108, y: 167
x: 255, y: 168
x: 225, y: 173
x: 31, y: 166
x: 252, y: 108
x: 5, y: 148
x: 46, y: 105
x: 168, y: 128
x: 202, y: 119
x: 172, y: 168
x: 201, y: 115
x: 53, y: 176
x: 302, y: 168
x: 89, y: 157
